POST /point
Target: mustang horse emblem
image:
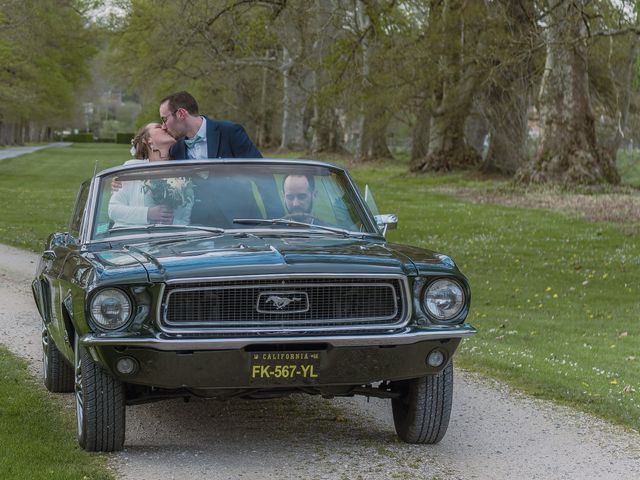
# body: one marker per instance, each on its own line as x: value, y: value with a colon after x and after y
x: 281, y: 302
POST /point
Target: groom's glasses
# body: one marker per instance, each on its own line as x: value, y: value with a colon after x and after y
x: 164, y: 119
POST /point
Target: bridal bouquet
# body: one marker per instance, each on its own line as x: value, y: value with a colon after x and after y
x: 172, y: 192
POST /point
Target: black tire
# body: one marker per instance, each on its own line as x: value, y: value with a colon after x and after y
x: 100, y: 406
x: 421, y: 414
x: 57, y: 373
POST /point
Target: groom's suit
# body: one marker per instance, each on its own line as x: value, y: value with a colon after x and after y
x: 221, y: 199
x: 224, y: 140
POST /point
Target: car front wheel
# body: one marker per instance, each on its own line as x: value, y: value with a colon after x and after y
x: 421, y: 412
x: 58, y: 374
x: 100, y: 405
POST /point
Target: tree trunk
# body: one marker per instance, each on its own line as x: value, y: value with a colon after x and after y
x: 326, y: 130
x: 447, y: 148
x: 373, y: 139
x: 457, y: 83
x: 476, y: 129
x: 420, y: 137
x: 324, y: 125
x: 263, y: 133
x: 568, y: 153
x: 507, y: 100
x: 508, y: 128
x: 293, y: 107
x: 623, y: 91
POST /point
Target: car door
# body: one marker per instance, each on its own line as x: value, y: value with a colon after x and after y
x: 54, y: 284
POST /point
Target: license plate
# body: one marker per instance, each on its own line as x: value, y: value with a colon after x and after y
x: 284, y: 367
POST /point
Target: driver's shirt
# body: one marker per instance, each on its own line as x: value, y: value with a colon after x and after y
x: 198, y: 151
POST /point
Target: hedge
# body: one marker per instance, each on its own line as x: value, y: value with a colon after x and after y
x: 124, y: 137
x: 79, y: 138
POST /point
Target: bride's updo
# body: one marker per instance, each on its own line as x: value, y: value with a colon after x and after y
x: 140, y: 142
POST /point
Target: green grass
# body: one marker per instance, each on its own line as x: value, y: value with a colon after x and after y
x: 38, y: 190
x: 555, y: 298
x: 37, y: 431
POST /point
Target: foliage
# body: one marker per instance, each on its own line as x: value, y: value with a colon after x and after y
x: 348, y: 74
x: 44, y: 49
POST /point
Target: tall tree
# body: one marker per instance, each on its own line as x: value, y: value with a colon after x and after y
x: 509, y: 82
x: 41, y: 69
x: 569, y: 152
x: 454, y: 34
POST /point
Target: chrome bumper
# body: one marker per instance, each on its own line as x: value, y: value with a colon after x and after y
x: 406, y: 336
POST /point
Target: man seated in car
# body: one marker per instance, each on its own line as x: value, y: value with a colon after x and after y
x: 299, y: 194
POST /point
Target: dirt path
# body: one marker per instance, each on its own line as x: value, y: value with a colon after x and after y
x: 17, y: 151
x: 494, y: 433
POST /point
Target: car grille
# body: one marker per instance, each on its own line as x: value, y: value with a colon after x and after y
x: 290, y: 304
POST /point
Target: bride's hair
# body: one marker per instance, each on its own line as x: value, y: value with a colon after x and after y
x: 139, y: 142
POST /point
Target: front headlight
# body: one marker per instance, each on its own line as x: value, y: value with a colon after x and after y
x: 444, y: 299
x: 110, y: 309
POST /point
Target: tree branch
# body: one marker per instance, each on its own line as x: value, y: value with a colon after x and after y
x: 616, y: 33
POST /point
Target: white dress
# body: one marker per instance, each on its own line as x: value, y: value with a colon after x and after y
x: 130, y: 205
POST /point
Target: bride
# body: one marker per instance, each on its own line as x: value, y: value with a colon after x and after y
x: 133, y: 204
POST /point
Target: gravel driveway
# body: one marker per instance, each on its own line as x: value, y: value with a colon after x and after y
x: 17, y: 151
x: 494, y: 433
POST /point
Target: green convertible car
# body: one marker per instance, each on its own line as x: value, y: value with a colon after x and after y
x: 243, y: 279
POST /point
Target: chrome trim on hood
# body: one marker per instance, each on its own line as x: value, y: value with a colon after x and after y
x: 406, y: 336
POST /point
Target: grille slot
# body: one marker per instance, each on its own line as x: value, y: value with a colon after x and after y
x: 292, y: 304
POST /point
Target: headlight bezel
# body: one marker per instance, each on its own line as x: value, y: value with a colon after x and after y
x: 97, y: 324
x: 457, y: 317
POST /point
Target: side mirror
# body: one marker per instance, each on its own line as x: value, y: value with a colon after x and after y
x: 57, y: 240
x: 61, y: 240
x: 386, y: 222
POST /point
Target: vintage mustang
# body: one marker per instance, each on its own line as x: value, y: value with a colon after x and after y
x: 248, y: 279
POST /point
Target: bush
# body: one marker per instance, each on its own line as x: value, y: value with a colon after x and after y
x: 79, y: 138
x: 124, y: 137
x: 105, y: 140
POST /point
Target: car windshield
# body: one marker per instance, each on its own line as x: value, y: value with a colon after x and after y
x: 210, y: 198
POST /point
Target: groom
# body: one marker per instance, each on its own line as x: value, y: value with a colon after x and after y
x: 199, y: 137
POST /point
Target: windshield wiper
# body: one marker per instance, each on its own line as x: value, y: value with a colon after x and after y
x: 162, y: 226
x: 285, y: 221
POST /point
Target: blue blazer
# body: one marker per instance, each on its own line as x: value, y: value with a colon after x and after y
x: 224, y: 140
x: 211, y: 208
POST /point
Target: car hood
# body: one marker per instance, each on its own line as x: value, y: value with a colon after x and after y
x: 248, y: 254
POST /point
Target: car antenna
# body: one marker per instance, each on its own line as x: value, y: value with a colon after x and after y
x: 95, y: 167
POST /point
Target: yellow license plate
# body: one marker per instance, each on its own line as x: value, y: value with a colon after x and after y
x: 284, y: 367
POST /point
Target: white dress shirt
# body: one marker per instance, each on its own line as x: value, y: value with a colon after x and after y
x: 199, y: 150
